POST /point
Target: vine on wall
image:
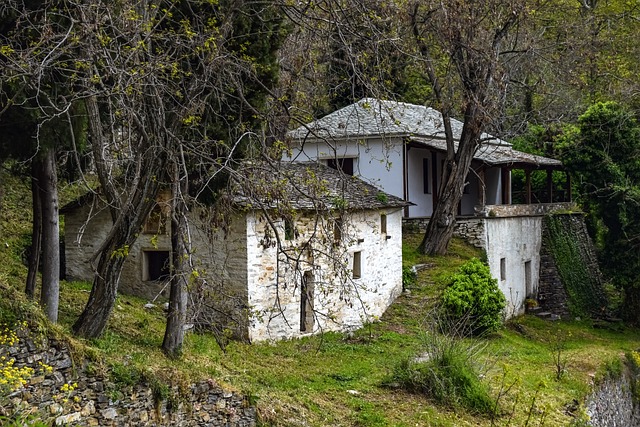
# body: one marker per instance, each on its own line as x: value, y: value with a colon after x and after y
x: 570, y: 248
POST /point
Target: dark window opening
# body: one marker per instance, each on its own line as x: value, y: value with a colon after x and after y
x: 383, y: 223
x: 156, y: 265
x: 289, y: 229
x: 337, y: 230
x: 357, y: 265
x: 344, y: 164
x: 425, y: 176
x: 156, y: 223
x: 306, y: 302
x: 503, y: 269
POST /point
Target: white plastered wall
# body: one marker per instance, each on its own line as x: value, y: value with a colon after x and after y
x: 379, y: 161
x: 517, y: 240
x: 339, y: 301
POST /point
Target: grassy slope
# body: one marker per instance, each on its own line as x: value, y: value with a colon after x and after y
x: 337, y: 379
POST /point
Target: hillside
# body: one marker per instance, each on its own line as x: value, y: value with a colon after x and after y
x: 540, y: 369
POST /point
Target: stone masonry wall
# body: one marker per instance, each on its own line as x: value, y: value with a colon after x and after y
x: 552, y: 296
x: 469, y: 229
x: 612, y: 404
x: 65, y: 394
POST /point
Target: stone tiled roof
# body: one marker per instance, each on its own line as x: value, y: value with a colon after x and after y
x: 422, y: 125
x: 497, y: 155
x: 372, y: 117
x: 308, y: 186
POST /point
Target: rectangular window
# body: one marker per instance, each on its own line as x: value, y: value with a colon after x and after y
x: 156, y: 265
x: 425, y: 176
x: 383, y: 223
x: 306, y: 302
x: 343, y: 164
x: 357, y: 265
x: 289, y: 229
x: 503, y: 269
x: 337, y: 230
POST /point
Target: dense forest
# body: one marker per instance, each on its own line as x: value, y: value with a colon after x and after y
x: 127, y: 97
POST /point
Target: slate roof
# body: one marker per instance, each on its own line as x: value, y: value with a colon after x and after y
x: 497, y: 155
x: 372, y: 117
x: 307, y: 186
x: 416, y: 124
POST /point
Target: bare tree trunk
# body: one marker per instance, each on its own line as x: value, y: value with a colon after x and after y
x: 128, y: 216
x: 178, y: 297
x: 112, y: 254
x: 36, y: 232
x: 440, y: 228
x: 50, y: 293
x: 94, y: 317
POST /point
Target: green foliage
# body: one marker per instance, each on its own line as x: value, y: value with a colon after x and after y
x: 586, y: 296
x: 604, y: 156
x: 409, y: 277
x: 473, y: 295
x: 542, y: 141
x: 446, y: 373
x: 382, y: 197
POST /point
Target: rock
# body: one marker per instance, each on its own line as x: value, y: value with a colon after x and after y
x: 55, y: 409
x: 88, y: 409
x: 66, y: 419
x: 109, y: 413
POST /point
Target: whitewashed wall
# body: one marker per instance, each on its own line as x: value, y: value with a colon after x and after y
x: 340, y: 302
x: 379, y: 162
x: 516, y: 240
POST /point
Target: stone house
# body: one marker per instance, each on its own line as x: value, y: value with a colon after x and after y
x: 400, y: 148
x: 304, y: 249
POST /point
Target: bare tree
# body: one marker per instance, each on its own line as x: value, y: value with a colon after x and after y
x: 468, y: 40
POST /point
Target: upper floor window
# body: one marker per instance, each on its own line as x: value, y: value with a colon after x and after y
x: 289, y: 229
x: 343, y: 164
x: 156, y: 223
x: 425, y: 176
x: 383, y: 223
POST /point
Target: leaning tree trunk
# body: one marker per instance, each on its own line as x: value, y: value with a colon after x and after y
x: 178, y: 297
x: 440, y: 228
x: 36, y: 231
x: 112, y: 254
x: 50, y: 292
x: 128, y: 215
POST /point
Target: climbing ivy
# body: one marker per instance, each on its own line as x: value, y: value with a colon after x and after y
x: 585, y: 293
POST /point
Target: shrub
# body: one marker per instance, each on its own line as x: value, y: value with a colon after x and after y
x: 472, y: 295
x: 409, y: 277
x: 447, y: 373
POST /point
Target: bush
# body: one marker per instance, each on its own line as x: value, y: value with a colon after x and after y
x: 446, y: 373
x: 409, y: 277
x: 473, y: 296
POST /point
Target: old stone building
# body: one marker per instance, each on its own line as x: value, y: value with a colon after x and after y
x: 304, y: 249
x: 401, y: 148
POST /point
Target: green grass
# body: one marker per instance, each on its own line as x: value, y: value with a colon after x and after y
x: 338, y: 379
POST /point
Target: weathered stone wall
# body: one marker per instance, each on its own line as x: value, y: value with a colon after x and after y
x: 52, y: 395
x: 471, y: 229
x: 513, y: 254
x: 613, y: 404
x: 552, y: 297
x: 338, y: 300
x: 86, y: 227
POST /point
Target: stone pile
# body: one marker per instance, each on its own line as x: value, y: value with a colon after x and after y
x: 61, y: 392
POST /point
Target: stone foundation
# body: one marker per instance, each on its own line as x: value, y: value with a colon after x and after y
x: 66, y: 394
